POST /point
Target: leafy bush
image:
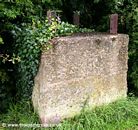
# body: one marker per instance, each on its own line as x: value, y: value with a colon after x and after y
x: 133, y: 54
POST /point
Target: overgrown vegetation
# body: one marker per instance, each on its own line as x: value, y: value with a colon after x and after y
x: 120, y: 115
x: 21, y: 112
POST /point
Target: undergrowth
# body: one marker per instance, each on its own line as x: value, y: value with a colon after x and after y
x: 120, y: 115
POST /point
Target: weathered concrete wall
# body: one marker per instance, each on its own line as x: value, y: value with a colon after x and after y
x: 83, y: 70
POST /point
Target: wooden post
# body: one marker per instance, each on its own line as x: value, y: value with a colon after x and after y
x: 51, y: 14
x: 114, y: 23
x: 76, y: 18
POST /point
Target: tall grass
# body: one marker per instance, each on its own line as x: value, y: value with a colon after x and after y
x: 120, y: 115
x: 21, y: 112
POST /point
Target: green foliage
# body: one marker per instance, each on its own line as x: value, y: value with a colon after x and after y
x: 50, y: 4
x: 11, y: 9
x: 20, y: 112
x: 1, y: 40
x: 6, y: 57
x: 133, y: 53
x: 5, y: 91
x: 11, y: 12
x: 3, y: 76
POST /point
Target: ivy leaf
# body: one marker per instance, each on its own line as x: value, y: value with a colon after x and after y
x: 1, y: 40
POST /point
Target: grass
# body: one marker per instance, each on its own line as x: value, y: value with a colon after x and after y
x: 120, y: 115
